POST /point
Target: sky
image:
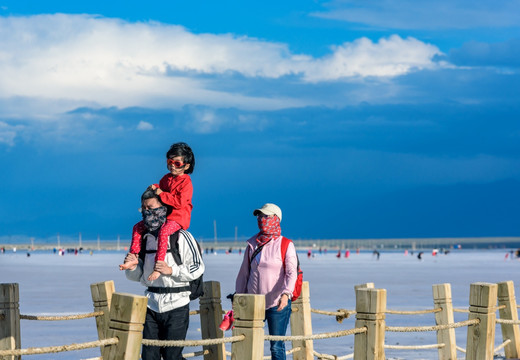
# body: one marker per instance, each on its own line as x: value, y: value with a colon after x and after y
x: 360, y: 119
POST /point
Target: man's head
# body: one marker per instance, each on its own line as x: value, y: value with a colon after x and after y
x: 153, y: 210
x: 150, y: 200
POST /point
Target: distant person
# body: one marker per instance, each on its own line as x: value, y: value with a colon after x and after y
x: 167, y: 316
x: 175, y: 190
x: 419, y: 256
x: 377, y: 254
x: 263, y: 272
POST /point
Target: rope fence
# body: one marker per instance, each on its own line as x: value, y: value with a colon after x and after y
x: 196, y: 353
x: 191, y: 343
x: 61, y: 348
x: 462, y: 350
x: 328, y: 335
x: 332, y: 357
x: 64, y: 317
x: 503, y: 345
x: 413, y: 312
x: 415, y: 347
x: 431, y: 328
x: 508, y: 322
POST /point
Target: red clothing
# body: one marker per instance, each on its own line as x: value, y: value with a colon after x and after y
x: 168, y: 228
x: 177, y: 193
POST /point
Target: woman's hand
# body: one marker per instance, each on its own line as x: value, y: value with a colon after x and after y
x: 284, y: 300
x: 163, y: 268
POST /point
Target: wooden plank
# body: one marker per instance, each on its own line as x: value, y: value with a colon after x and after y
x: 210, y: 318
x: 370, y: 313
x: 442, y: 299
x: 101, y: 297
x: 301, y: 324
x: 249, y: 311
x: 482, y: 306
x: 10, y: 319
x: 127, y: 316
x: 506, y: 297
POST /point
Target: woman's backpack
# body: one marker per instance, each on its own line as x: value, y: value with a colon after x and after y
x: 299, y: 279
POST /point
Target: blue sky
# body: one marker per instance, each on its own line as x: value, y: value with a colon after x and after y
x: 361, y: 119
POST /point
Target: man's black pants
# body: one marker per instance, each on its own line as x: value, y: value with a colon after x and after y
x: 171, y: 325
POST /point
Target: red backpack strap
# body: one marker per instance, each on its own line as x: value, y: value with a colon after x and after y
x: 283, y: 248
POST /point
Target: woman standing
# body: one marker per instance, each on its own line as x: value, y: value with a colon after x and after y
x: 263, y: 272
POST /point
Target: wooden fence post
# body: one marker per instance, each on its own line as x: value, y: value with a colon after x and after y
x: 442, y: 299
x: 506, y: 296
x: 210, y: 318
x: 249, y: 313
x: 370, y: 313
x: 482, y: 306
x: 301, y: 324
x: 101, y: 297
x: 369, y: 285
x: 127, y: 316
x: 10, y: 319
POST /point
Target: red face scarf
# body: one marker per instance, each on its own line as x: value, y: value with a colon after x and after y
x: 269, y: 229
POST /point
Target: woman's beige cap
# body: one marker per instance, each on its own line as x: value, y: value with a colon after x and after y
x: 269, y: 209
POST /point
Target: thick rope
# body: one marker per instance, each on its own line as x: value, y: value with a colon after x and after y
x: 431, y: 328
x: 196, y: 353
x: 65, y: 317
x: 461, y: 310
x: 501, y: 346
x: 328, y: 335
x: 188, y: 343
x: 342, y: 313
x: 194, y: 312
x: 57, y: 349
x: 414, y: 312
x: 96, y: 358
x: 462, y: 350
x: 509, y: 322
x: 415, y: 347
x: 332, y: 357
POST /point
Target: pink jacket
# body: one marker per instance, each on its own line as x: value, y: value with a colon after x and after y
x: 267, y: 275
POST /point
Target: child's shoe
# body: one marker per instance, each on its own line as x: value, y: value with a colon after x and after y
x: 227, y: 322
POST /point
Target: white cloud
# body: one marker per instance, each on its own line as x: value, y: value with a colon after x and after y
x: 8, y: 133
x: 71, y: 60
x: 386, y: 58
x: 143, y: 125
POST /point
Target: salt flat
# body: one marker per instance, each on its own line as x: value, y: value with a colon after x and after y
x: 52, y: 284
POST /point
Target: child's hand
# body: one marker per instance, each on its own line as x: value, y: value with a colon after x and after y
x: 158, y: 191
x: 153, y: 187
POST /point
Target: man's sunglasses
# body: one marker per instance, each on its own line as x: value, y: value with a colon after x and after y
x: 175, y: 163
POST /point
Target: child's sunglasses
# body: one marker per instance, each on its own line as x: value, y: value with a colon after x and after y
x: 175, y: 163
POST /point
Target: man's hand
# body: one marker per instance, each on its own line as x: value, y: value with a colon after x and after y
x: 163, y: 268
x: 284, y: 300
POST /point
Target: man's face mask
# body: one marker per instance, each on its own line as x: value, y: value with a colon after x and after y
x: 154, y: 218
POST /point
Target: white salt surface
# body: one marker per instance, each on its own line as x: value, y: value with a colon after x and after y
x: 60, y: 285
